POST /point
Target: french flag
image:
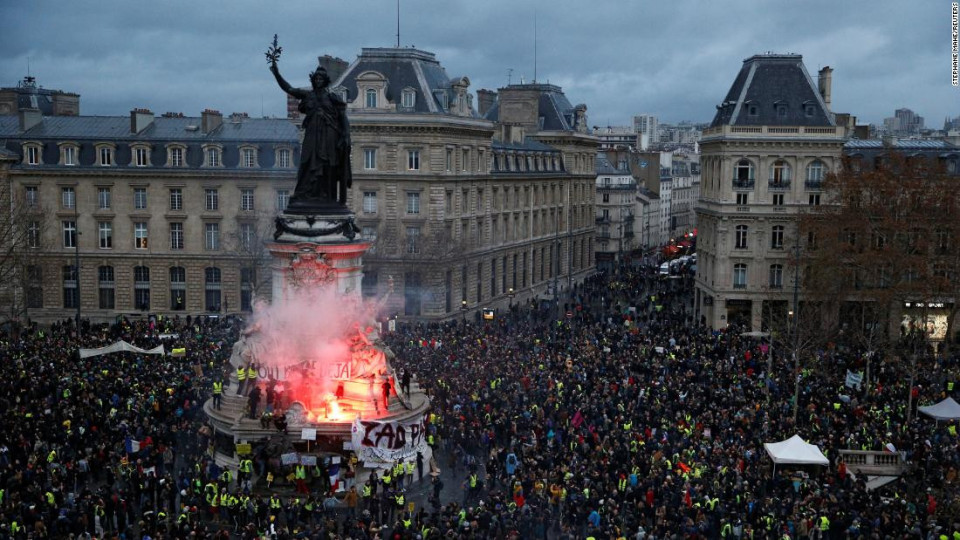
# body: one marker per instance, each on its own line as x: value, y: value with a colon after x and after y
x: 333, y: 471
x: 132, y: 446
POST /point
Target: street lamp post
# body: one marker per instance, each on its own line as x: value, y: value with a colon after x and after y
x: 463, y: 310
x: 511, y: 293
x: 795, y: 316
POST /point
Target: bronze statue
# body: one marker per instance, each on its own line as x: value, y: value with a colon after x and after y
x: 324, y: 174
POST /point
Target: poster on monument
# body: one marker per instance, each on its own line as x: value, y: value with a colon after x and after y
x: 386, y: 442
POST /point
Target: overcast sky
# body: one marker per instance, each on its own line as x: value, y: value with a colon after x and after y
x: 675, y: 59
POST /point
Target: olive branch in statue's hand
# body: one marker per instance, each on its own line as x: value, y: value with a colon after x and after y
x: 273, y: 53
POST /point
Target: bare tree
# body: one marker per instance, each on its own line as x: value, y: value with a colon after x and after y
x: 248, y: 244
x: 21, y: 236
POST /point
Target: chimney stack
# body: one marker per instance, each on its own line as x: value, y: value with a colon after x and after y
x: 824, y: 82
x: 140, y: 119
x: 30, y: 118
x: 485, y: 100
x: 210, y: 120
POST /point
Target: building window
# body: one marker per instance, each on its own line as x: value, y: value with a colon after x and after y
x: 70, y: 293
x: 141, y: 288
x: 211, y: 199
x: 140, y: 198
x: 69, y: 234
x: 105, y: 153
x: 33, y: 155
x: 739, y: 276
x: 33, y: 234
x: 178, y: 288
x: 176, y: 236
x: 778, y: 199
x: 105, y: 279
x: 34, y: 287
x: 283, y: 158
x: 369, y: 202
x: 809, y: 110
x: 212, y: 236
x: 213, y: 157
x: 247, y: 279
x: 141, y: 156
x: 176, y: 157
x: 449, y: 162
x: 741, y: 237
x: 814, y: 199
x: 247, y: 237
x: 743, y: 174
x: 368, y: 233
x: 140, y: 235
x: 249, y: 157
x: 371, y: 98
x: 413, y: 160
x: 413, y: 203
x: 815, y: 172
x: 368, y: 285
x: 742, y: 199
x: 780, y: 173
x: 176, y: 199
x: 211, y: 285
x: 411, y: 294
x: 752, y: 110
x: 369, y: 158
x: 105, y: 234
x: 68, y: 198
x: 776, y: 276
x: 31, y: 196
x: 246, y: 200
x: 408, y: 99
x: 413, y: 240
x: 103, y: 198
x: 776, y: 237
x: 283, y: 199
x: 70, y: 155
x: 781, y: 111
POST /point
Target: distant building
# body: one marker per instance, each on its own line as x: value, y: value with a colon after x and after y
x: 616, y: 137
x: 615, y: 208
x: 903, y: 123
x: 647, y: 125
x: 27, y: 95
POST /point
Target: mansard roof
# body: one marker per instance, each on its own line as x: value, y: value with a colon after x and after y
x: 767, y: 82
x: 555, y: 111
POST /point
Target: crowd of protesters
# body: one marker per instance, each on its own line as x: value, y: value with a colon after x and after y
x: 618, y: 416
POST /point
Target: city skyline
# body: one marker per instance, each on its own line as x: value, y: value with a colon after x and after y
x: 620, y: 59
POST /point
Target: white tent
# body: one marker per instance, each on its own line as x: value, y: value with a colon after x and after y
x: 794, y: 450
x: 947, y: 409
x: 120, y: 346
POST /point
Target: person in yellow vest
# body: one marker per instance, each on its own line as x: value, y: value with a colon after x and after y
x: 241, y: 379
x: 217, y: 394
x: 251, y: 375
x: 824, y: 524
x: 300, y: 476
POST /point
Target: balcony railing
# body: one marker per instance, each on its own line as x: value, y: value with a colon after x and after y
x: 813, y: 184
x: 774, y: 184
x: 739, y: 285
x: 743, y: 184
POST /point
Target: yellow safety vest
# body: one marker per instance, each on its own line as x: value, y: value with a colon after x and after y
x: 217, y: 388
x: 251, y: 373
x: 241, y: 374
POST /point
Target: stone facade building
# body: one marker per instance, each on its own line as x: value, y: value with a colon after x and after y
x: 764, y: 157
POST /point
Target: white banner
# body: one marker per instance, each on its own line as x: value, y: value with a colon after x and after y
x: 120, y: 346
x: 388, y: 441
x: 853, y: 379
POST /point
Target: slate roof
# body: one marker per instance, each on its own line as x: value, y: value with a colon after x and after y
x: 528, y: 144
x: 603, y: 166
x: 264, y: 133
x: 766, y: 81
x: 403, y: 68
x: 899, y: 144
x: 554, y: 109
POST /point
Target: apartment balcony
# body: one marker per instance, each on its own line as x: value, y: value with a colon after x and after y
x: 749, y: 132
x: 743, y: 183
x: 778, y: 185
x: 813, y: 184
x: 603, y: 236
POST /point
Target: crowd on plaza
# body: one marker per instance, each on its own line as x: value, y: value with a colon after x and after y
x: 625, y: 419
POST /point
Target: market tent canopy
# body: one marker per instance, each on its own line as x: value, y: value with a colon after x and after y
x: 794, y: 450
x: 120, y: 346
x: 947, y: 409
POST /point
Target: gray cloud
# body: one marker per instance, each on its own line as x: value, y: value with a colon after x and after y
x: 673, y: 59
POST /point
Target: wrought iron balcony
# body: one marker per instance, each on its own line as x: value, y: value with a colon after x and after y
x: 739, y: 183
x: 813, y: 184
x: 774, y: 184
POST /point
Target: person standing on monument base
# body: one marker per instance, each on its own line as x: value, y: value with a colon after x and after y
x: 324, y: 174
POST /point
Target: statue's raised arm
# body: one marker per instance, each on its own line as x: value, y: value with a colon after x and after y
x: 273, y: 55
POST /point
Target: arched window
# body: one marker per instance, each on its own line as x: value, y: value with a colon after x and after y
x: 178, y: 288
x: 815, y: 172
x: 780, y: 173
x: 743, y: 174
x: 141, y: 288
x: 740, y: 276
x: 212, y: 288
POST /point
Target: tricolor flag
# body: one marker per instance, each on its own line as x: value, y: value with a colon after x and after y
x: 333, y: 471
x: 132, y: 446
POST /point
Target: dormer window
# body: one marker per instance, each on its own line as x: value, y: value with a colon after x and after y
x: 69, y: 153
x: 141, y: 156
x: 105, y: 154
x: 408, y: 98
x: 442, y: 98
x: 283, y: 157
x: 175, y: 155
x: 212, y: 156
x: 32, y: 154
x: 371, y: 97
x: 248, y: 157
x: 781, y: 109
x: 752, y: 110
x: 809, y: 111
